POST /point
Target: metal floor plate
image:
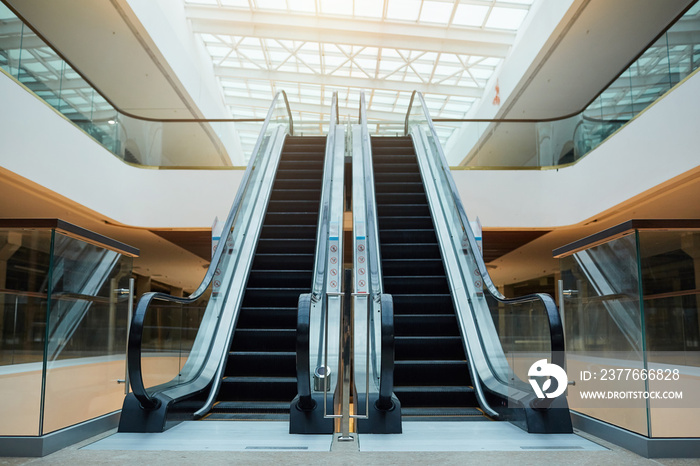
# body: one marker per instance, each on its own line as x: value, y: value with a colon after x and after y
x: 473, y: 436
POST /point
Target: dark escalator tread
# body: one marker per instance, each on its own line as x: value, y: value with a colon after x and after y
x: 291, y: 278
x: 428, y: 348
x: 290, y: 246
x: 288, y: 232
x: 261, y: 364
x: 413, y: 267
x: 258, y: 389
x: 291, y: 218
x: 411, y: 222
x: 268, y: 317
x: 417, y: 250
x: 428, y: 284
x: 264, y: 339
x: 284, y: 193
x: 298, y: 174
x: 434, y: 413
x: 283, y: 261
x: 390, y: 177
x: 418, y: 235
x: 292, y: 205
x: 260, y: 376
x: 311, y: 184
x: 431, y: 373
x: 436, y: 396
x: 426, y: 324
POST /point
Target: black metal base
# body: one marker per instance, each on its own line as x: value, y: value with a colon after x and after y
x: 136, y: 419
x: 309, y: 421
x: 380, y: 421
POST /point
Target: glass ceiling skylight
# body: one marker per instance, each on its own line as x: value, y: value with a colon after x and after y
x: 447, y: 49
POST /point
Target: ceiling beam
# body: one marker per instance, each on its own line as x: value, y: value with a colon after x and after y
x: 367, y: 33
x: 345, y: 81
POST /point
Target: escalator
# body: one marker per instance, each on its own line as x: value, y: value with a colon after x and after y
x: 260, y: 377
x: 431, y: 373
x: 243, y: 360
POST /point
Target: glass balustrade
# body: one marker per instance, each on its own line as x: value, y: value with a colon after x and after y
x: 630, y: 306
x: 63, y: 325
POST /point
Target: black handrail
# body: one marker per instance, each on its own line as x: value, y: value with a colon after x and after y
x: 554, y: 319
x: 136, y: 330
x: 303, y: 367
x: 386, y: 384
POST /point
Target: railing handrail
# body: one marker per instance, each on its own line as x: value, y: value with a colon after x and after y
x: 303, y: 340
x: 136, y: 329
x: 553, y: 317
x: 386, y: 369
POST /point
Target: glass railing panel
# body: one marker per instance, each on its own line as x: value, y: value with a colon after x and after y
x: 22, y: 328
x: 603, y: 328
x: 87, y: 328
x: 24, y: 267
x: 670, y: 268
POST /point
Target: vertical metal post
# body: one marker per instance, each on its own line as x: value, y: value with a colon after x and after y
x: 346, y: 350
x: 129, y: 315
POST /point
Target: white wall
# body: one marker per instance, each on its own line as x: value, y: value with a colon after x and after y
x: 656, y: 147
x: 659, y: 145
x: 40, y: 145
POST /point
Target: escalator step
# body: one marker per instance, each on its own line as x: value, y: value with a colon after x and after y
x: 267, y: 317
x: 291, y: 218
x: 416, y: 250
x: 436, y: 413
x: 426, y: 324
x: 279, y: 389
x: 410, y: 348
x: 298, y: 185
x: 291, y: 193
x: 396, y: 168
x: 401, y: 198
x: 412, y: 222
x: 398, y: 210
x: 436, y: 396
x: 303, y: 164
x: 405, y: 156
x: 261, y: 364
x: 291, y: 278
x: 390, y: 187
x: 292, y: 206
x: 278, y: 297
x: 290, y: 246
x: 297, y: 174
x: 288, y: 232
x: 412, y: 267
x: 416, y: 284
x: 279, y: 261
x: 248, y: 407
x: 407, y: 236
x: 412, y: 303
x: 390, y: 177
x: 256, y: 340
x: 434, y: 372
